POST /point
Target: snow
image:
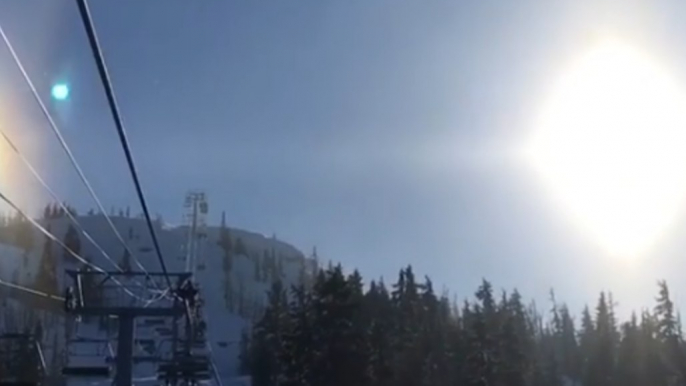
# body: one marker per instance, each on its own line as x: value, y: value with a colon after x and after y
x: 224, y: 327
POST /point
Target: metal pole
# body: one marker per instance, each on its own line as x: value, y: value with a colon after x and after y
x: 124, y: 361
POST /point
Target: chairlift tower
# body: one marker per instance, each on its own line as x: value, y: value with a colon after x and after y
x: 195, y: 219
x: 21, y: 360
x: 122, y: 296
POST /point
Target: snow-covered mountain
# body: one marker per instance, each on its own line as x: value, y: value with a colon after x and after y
x: 232, y: 287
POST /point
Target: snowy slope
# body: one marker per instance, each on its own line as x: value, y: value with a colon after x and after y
x: 246, y: 284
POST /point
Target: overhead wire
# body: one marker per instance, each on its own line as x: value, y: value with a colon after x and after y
x: 112, y: 102
x: 31, y: 290
x: 55, y: 239
x: 55, y: 197
x: 66, y: 147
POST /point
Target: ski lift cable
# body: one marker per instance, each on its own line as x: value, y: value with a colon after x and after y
x: 66, y: 147
x: 31, y: 290
x: 112, y: 102
x: 54, y: 238
x: 215, y: 372
x: 55, y: 197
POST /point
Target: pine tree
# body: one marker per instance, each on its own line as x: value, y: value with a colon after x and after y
x: 265, y: 361
x: 241, y: 300
x: 335, y: 333
x: 601, y: 364
x: 668, y: 336
x: 229, y: 294
x: 629, y: 361
x: 279, y: 267
x: 125, y: 263
x: 344, y: 361
x: 514, y: 339
x: 92, y: 292
x: 225, y: 236
x: 73, y: 241
x: 38, y: 331
x: 225, y: 244
x: 570, y: 357
x: 46, y: 278
x: 23, y: 233
x: 378, y: 310
x: 482, y: 359
x: 299, y: 348
x: 257, y: 273
x: 240, y: 247
x: 244, y: 359
x: 586, y: 341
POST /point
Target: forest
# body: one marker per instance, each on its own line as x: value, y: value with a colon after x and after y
x: 336, y: 331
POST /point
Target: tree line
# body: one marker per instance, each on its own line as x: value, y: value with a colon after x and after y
x: 334, y: 332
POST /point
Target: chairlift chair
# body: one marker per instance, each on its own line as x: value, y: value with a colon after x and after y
x: 86, y: 371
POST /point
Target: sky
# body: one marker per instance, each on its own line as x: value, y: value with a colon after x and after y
x: 384, y: 132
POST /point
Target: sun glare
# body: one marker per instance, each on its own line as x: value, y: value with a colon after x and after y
x: 611, y: 145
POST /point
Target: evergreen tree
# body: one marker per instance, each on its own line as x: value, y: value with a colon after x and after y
x: 378, y: 311
x: 225, y: 244
x: 629, y: 360
x: 344, y: 361
x: 514, y: 342
x: 336, y: 333
x: 601, y: 365
x: 668, y: 336
x: 46, y: 278
x: 92, y: 292
x: 229, y: 294
x: 279, y: 267
x: 244, y: 359
x: 570, y: 357
x: 239, y: 248
x: 23, y: 233
x: 482, y: 360
x: 73, y: 241
x: 265, y: 362
x: 125, y: 263
x: 225, y: 236
x: 299, y: 348
x: 257, y: 273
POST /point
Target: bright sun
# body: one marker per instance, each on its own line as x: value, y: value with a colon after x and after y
x: 611, y: 145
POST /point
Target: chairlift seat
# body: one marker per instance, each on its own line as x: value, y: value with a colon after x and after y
x: 86, y: 371
x: 154, y: 322
x: 17, y: 383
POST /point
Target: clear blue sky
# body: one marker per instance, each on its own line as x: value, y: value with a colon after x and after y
x: 380, y: 131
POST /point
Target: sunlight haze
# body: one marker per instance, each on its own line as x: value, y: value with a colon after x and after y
x: 610, y: 145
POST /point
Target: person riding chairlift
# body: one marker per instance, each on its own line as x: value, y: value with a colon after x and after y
x: 188, y: 292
